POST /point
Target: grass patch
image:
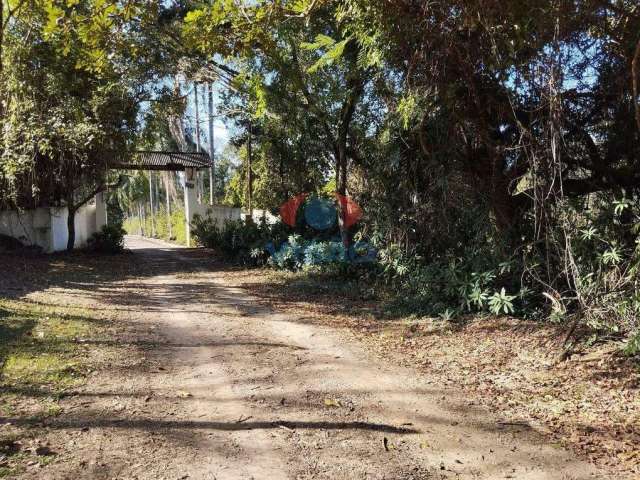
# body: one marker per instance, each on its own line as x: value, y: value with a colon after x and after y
x: 38, y: 348
x: 39, y: 360
x: 43, y: 369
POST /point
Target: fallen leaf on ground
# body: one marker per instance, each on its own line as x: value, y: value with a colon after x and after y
x: 330, y: 402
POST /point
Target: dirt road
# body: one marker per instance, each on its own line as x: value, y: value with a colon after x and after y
x: 231, y: 390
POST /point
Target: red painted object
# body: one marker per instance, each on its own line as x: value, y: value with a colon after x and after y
x: 351, y: 211
x: 289, y: 210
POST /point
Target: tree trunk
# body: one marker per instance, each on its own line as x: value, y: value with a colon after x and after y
x: 140, y: 220
x: 71, y: 228
x: 341, y: 185
x: 356, y: 84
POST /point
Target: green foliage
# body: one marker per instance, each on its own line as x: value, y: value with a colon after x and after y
x: 322, y: 257
x: 237, y: 240
x: 633, y: 345
x: 605, y: 264
x: 115, y: 214
x: 133, y: 225
x: 600, y: 272
x: 108, y: 240
x: 500, y: 302
x: 66, y: 100
x: 333, y: 51
x: 471, y: 283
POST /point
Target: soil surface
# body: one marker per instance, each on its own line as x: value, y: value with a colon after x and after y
x: 212, y: 384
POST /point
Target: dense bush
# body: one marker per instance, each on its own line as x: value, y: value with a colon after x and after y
x: 586, y: 271
x: 108, y: 240
x: 241, y: 241
x: 452, y: 285
x: 260, y: 243
x: 115, y: 214
x: 602, y: 262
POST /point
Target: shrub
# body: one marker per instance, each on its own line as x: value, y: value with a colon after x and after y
x: 586, y: 269
x: 448, y: 285
x: 633, y: 345
x: 237, y: 240
x: 9, y: 243
x: 108, y: 240
x: 323, y: 256
x: 115, y: 214
x: 290, y: 255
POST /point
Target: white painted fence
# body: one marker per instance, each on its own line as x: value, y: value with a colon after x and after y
x: 47, y: 227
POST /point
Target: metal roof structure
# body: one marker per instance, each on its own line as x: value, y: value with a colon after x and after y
x: 161, y: 161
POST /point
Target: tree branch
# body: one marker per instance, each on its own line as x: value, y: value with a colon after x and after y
x: 103, y: 186
x: 597, y: 183
x: 308, y: 97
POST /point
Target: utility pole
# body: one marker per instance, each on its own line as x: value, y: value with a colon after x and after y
x: 167, y: 179
x: 195, y: 97
x: 212, y: 152
x: 250, y: 173
x: 195, y: 94
x: 153, y: 219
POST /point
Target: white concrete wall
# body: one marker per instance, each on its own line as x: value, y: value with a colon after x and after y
x: 59, y: 230
x: 86, y: 225
x: 32, y: 227
x: 47, y: 227
x: 218, y: 212
x: 259, y: 214
x: 101, y: 211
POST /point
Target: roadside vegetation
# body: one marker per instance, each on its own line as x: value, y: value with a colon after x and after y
x: 493, y: 148
x: 160, y: 225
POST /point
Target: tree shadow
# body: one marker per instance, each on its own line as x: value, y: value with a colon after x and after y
x: 25, y: 274
x: 155, y: 425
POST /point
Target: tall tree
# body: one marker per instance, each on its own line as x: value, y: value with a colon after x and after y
x: 293, y: 56
x: 74, y: 76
